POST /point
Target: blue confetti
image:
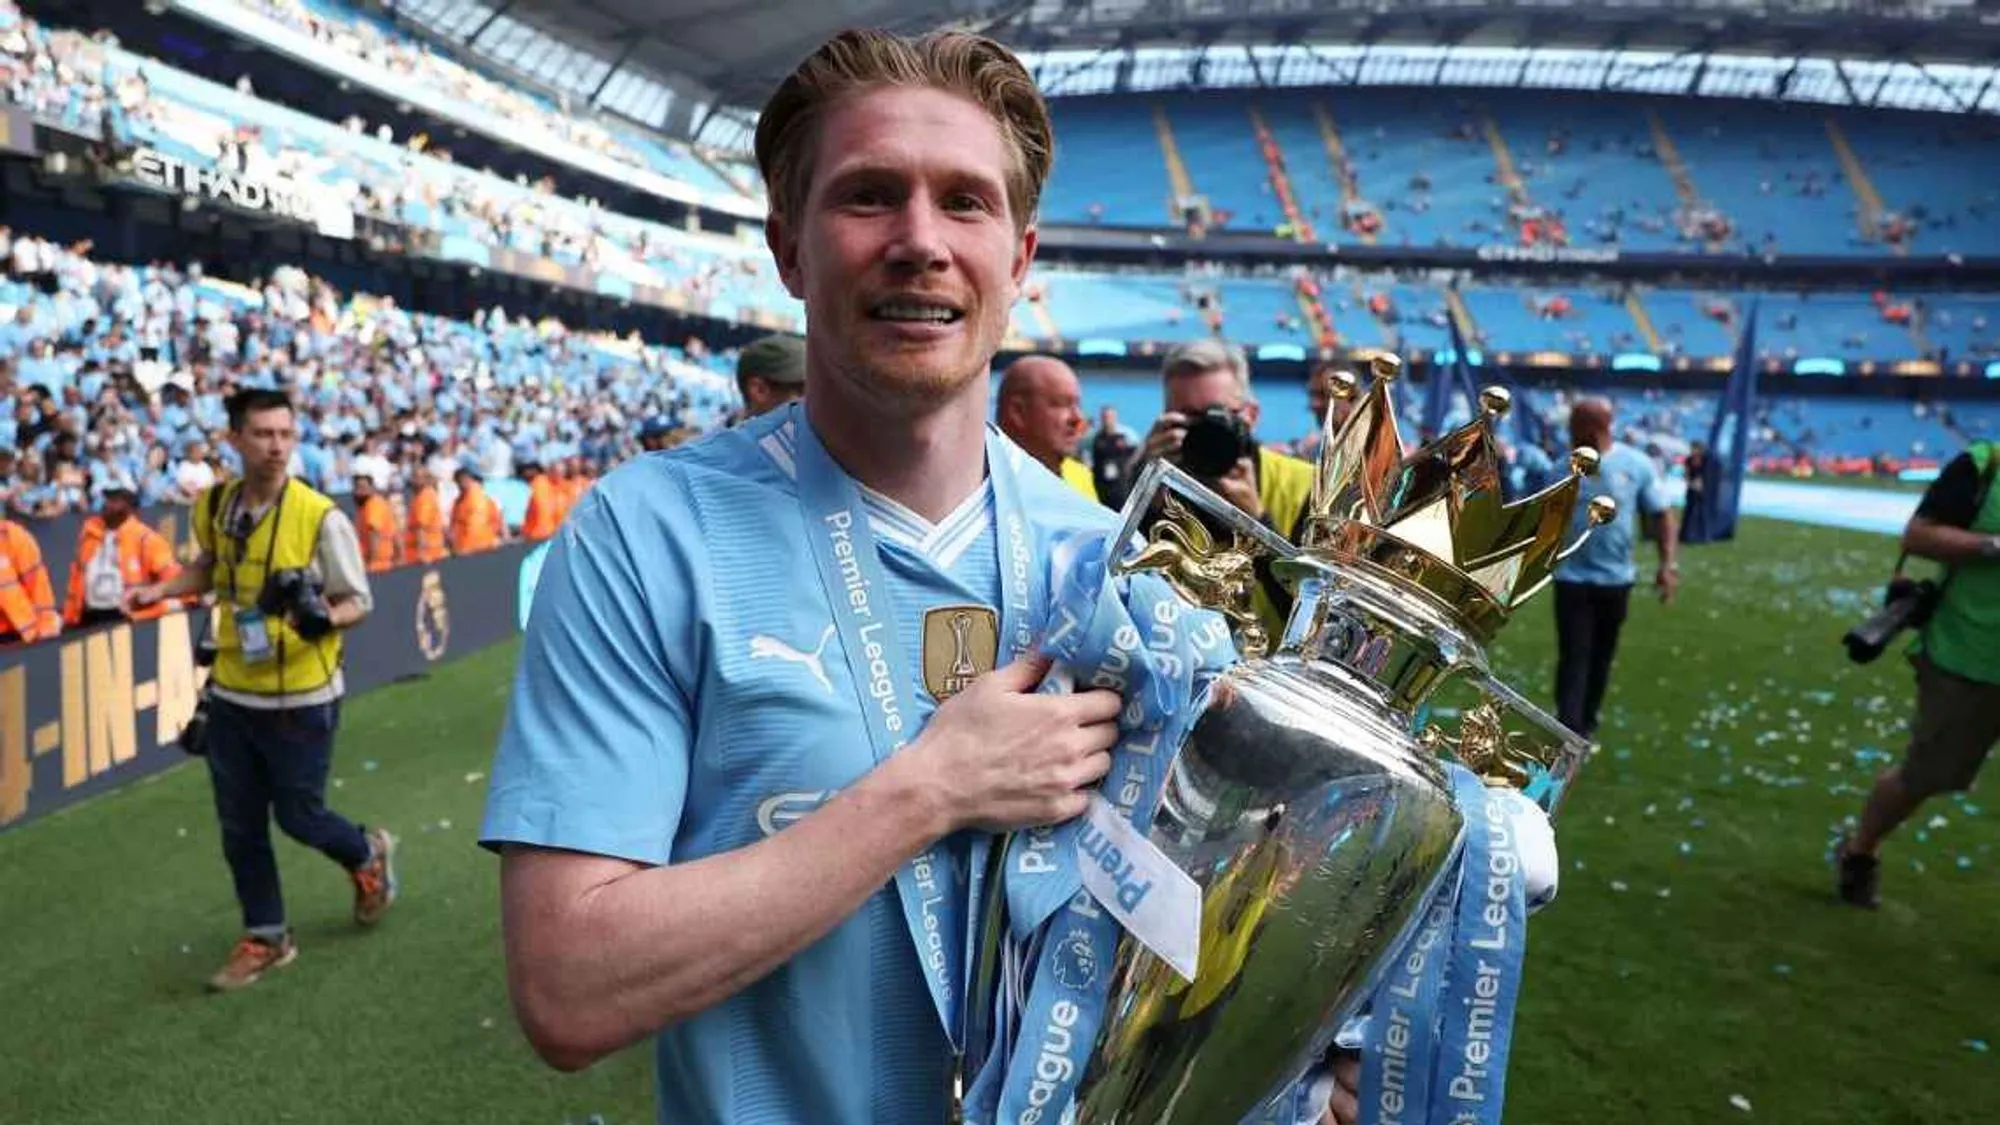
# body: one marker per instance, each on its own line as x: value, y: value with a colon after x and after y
x: 1977, y: 1045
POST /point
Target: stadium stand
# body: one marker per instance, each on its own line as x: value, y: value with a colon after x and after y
x: 415, y: 183
x: 1581, y: 318
x: 1468, y: 170
x: 1602, y: 165
x: 1465, y: 169
x: 349, y: 34
x: 115, y: 374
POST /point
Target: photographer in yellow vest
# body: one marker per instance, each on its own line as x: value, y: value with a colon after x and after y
x: 286, y: 570
x: 1209, y: 429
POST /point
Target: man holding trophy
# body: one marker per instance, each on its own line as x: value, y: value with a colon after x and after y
x: 877, y: 777
x: 776, y: 681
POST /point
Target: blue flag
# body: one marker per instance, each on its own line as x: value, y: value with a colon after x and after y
x: 1711, y: 517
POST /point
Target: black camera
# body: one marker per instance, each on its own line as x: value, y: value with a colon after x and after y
x: 193, y: 739
x: 1907, y: 604
x: 1216, y: 439
x: 293, y: 593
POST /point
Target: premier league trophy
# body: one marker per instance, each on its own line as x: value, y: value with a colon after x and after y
x: 1338, y: 843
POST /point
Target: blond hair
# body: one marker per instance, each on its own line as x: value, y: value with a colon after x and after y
x: 972, y: 66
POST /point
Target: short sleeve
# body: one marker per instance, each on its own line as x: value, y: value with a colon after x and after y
x: 1953, y: 498
x: 595, y: 751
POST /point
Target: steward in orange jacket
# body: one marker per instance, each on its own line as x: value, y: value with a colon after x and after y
x: 476, y: 522
x: 423, y: 537
x: 545, y: 507
x: 27, y: 602
x: 115, y: 552
x: 579, y: 482
x: 375, y: 524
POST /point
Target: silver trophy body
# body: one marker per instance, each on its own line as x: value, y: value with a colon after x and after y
x: 1309, y: 801
x: 1318, y: 826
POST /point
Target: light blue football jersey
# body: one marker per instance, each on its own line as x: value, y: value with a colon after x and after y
x: 683, y: 692
x: 1627, y: 476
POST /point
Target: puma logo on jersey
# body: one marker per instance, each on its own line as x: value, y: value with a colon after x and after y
x: 762, y: 647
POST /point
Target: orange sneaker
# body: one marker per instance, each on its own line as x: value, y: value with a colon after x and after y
x: 251, y: 959
x: 375, y: 881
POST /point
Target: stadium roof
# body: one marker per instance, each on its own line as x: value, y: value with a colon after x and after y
x: 699, y: 68
x: 1966, y: 31
x: 692, y: 68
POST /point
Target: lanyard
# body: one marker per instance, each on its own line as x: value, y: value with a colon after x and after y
x: 933, y: 893
x: 241, y: 542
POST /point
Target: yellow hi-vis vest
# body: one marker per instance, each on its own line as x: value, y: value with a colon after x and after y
x: 285, y: 538
x: 1078, y: 476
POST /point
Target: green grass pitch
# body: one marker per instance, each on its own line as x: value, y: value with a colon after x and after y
x: 1694, y: 964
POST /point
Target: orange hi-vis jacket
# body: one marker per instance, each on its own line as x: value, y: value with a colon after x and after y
x: 573, y: 490
x: 423, y: 539
x: 381, y: 542
x: 27, y: 601
x: 545, y: 510
x: 144, y: 556
x: 476, y: 522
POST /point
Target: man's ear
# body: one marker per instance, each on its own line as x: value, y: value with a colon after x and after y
x: 1251, y: 412
x: 1024, y: 257
x: 784, y: 244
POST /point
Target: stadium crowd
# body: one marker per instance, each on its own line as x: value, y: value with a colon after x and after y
x: 88, y: 84
x: 113, y: 381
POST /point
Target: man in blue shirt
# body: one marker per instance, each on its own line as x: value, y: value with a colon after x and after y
x: 1594, y: 585
x: 772, y: 688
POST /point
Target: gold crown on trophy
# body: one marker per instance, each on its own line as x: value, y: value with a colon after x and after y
x: 1438, y: 517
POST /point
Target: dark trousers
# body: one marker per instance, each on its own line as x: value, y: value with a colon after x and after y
x: 1588, y: 619
x: 275, y: 762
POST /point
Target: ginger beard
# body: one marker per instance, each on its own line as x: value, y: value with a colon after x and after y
x: 907, y: 255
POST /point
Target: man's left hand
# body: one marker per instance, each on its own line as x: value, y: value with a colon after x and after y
x: 1344, y: 1108
x: 1667, y: 581
x: 1239, y: 487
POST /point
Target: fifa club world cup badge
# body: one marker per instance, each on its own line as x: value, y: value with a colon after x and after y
x: 961, y: 643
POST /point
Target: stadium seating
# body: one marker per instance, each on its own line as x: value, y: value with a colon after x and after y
x: 1468, y: 168
x: 364, y: 37
x: 1625, y: 172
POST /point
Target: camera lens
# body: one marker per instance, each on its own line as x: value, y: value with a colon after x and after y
x: 1215, y: 441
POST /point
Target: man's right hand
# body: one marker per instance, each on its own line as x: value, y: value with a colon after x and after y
x: 1164, y: 439
x: 139, y: 597
x: 1001, y: 756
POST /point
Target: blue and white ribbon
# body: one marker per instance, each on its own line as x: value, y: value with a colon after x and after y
x: 1133, y: 635
x: 1436, y: 1038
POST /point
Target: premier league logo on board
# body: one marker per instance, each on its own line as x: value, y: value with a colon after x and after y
x: 961, y: 643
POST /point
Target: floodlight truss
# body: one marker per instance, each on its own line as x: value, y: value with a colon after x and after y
x: 1880, y: 84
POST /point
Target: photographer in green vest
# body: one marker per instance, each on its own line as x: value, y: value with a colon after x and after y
x: 285, y: 566
x: 1957, y: 657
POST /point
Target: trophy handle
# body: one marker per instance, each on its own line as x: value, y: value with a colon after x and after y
x: 1203, y: 546
x: 1160, y: 480
x: 1508, y: 741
